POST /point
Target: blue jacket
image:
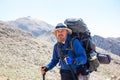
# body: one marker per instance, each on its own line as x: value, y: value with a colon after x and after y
x: 79, y: 55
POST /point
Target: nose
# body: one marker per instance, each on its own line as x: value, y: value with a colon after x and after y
x: 60, y: 31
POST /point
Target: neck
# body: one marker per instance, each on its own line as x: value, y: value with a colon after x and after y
x: 63, y: 42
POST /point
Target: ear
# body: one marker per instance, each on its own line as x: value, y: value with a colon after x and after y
x: 67, y: 31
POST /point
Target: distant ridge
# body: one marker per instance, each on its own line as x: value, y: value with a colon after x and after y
x: 35, y: 26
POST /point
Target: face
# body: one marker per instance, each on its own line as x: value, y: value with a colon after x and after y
x: 61, y: 35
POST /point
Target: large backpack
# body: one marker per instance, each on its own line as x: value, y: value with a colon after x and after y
x: 81, y: 32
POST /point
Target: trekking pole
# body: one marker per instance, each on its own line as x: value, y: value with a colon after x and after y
x: 72, y: 72
x: 62, y: 56
x: 43, y: 76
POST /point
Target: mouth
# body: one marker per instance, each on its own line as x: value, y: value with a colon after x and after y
x: 60, y: 35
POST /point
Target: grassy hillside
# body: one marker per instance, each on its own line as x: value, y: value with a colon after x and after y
x: 22, y: 55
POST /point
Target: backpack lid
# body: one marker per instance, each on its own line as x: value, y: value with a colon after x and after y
x: 76, y: 25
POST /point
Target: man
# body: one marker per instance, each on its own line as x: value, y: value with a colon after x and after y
x: 70, y: 61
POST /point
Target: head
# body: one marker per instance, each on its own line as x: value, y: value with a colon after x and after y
x: 61, y: 32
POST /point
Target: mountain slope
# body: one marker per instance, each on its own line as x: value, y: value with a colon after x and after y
x: 48, y: 36
x: 21, y: 54
x: 35, y: 26
x: 109, y: 44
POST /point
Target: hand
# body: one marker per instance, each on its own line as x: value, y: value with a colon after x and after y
x: 44, y: 70
x: 68, y: 60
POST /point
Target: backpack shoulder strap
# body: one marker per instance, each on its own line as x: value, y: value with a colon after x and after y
x: 70, y: 45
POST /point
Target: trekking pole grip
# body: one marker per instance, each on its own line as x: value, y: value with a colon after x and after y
x: 44, y: 73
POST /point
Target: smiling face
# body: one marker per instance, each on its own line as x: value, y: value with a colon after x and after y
x: 61, y: 35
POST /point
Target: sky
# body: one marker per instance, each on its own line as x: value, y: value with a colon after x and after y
x: 101, y: 16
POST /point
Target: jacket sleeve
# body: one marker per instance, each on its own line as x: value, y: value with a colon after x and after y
x: 80, y: 53
x: 54, y: 60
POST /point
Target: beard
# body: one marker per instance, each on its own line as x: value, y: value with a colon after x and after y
x: 61, y: 38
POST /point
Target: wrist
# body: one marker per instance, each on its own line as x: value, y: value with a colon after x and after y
x: 45, y: 68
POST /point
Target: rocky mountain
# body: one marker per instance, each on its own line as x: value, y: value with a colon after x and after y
x: 22, y: 55
x: 109, y: 44
x: 35, y: 26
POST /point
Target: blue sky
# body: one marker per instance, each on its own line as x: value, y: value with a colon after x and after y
x: 101, y: 16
